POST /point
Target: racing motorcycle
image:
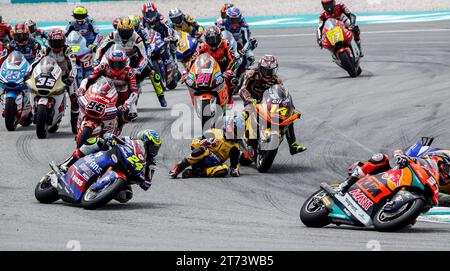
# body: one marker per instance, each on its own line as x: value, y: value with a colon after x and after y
x: 266, y: 128
x: 207, y: 87
x: 47, y: 96
x: 187, y: 45
x: 389, y: 201
x: 98, y: 111
x: 167, y: 69
x: 15, y: 96
x: 85, y: 57
x: 96, y: 179
x: 338, y: 39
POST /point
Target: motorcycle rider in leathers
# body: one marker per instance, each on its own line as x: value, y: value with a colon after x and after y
x: 185, y: 23
x: 154, y: 77
x: 238, y: 27
x: 151, y: 142
x: 219, y: 49
x: 438, y: 161
x: 134, y: 46
x: 211, y: 151
x: 256, y: 81
x: 152, y: 19
x: 335, y: 11
x: 35, y: 32
x: 116, y: 70
x: 56, y: 47
x: 85, y: 25
x: 23, y: 43
x: 5, y: 30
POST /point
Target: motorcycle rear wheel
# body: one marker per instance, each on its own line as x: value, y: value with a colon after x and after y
x: 45, y: 192
x: 314, y: 216
x: 405, y: 218
x: 96, y: 199
x: 10, y: 114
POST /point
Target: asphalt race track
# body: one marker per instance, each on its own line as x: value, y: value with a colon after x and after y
x: 402, y: 94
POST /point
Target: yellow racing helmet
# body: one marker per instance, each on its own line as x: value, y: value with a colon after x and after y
x: 125, y: 28
x: 80, y: 14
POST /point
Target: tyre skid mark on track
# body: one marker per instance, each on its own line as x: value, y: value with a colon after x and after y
x: 24, y: 150
x: 273, y: 201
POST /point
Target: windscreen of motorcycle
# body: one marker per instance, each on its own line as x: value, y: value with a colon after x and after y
x: 334, y: 32
x: 103, y: 87
x: 204, y: 70
x: 277, y: 103
x: 46, y: 74
x: 226, y: 35
x: 14, y: 69
x: 76, y: 42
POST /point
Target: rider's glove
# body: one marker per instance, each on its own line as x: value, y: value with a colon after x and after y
x: 355, y: 30
x: 109, y: 139
x: 92, y: 47
x: 234, y: 172
x: 81, y: 91
x: 401, y: 160
x: 251, y: 101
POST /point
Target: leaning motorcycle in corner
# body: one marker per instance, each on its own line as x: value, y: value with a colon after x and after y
x: 340, y: 42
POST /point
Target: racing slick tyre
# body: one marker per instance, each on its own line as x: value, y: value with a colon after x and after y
x: 243, y: 161
x: 96, y: 199
x: 348, y: 64
x: 314, y: 214
x: 45, y: 192
x: 264, y: 160
x: 406, y: 215
x: 86, y: 133
x: 41, y: 121
x: 10, y: 114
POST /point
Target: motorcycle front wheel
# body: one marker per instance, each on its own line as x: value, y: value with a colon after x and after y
x: 313, y: 213
x: 264, y: 160
x: 10, y: 114
x: 348, y: 64
x: 41, y: 121
x: 45, y: 192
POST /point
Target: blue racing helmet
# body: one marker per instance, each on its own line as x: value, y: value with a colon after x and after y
x: 234, y: 17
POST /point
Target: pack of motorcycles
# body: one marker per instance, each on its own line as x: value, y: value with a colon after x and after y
x: 372, y: 201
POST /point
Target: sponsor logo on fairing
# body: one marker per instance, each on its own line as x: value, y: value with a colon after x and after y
x: 362, y: 199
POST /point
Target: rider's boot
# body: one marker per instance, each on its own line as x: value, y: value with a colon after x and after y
x: 294, y: 148
x: 178, y: 168
x: 361, y: 53
x: 157, y: 85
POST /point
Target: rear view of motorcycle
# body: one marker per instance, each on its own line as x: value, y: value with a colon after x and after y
x: 48, y: 96
x: 15, y: 97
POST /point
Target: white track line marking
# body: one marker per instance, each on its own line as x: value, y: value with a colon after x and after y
x: 363, y: 32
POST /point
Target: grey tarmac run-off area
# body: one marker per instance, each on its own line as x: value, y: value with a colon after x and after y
x: 403, y: 94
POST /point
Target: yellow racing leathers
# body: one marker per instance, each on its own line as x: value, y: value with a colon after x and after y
x: 190, y: 25
x: 208, y: 157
